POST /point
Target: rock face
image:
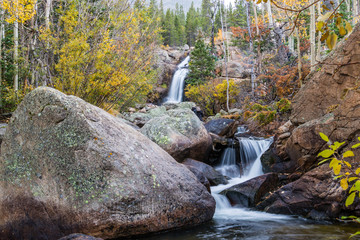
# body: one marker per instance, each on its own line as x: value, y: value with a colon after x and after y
x: 180, y: 133
x: 67, y: 166
x: 328, y: 103
x: 315, y: 195
x: 214, y: 177
x: 249, y: 193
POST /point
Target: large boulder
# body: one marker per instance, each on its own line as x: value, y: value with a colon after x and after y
x: 215, y: 178
x: 249, y: 193
x: 315, y: 195
x: 69, y: 167
x: 180, y: 133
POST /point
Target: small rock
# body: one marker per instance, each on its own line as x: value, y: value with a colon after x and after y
x: 221, y: 127
x: 285, y: 128
x: 222, y: 112
x: 249, y: 193
x: 131, y: 109
x: 235, y: 111
x: 214, y: 177
x: 284, y: 135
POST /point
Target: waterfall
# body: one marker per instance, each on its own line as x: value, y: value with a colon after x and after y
x: 251, y: 150
x: 175, y: 94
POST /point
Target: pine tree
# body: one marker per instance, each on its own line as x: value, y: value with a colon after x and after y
x: 202, y: 64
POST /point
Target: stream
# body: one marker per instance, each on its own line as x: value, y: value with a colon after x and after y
x: 240, y: 223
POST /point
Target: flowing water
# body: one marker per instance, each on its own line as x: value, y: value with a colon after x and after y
x: 240, y: 223
x: 176, y: 91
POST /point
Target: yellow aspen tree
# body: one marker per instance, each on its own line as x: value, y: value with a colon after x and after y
x: 19, y: 12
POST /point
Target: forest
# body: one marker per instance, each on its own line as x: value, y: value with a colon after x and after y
x: 128, y: 118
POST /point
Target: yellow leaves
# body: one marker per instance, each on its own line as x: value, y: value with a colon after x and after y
x: 348, y: 154
x: 19, y: 10
x: 348, y: 27
x: 344, y: 183
x: 326, y: 153
x: 325, y: 17
x: 350, y: 199
x: 331, y: 40
x: 324, y: 137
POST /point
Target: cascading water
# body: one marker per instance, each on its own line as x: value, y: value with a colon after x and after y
x: 175, y: 94
x: 240, y: 223
x: 251, y: 150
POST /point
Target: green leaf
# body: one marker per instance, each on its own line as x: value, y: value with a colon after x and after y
x: 355, y: 187
x: 353, y: 179
x: 337, y: 145
x: 337, y: 177
x: 331, y: 40
x: 324, y: 137
x: 356, y: 145
x: 325, y: 160
x: 355, y: 234
x: 326, y: 153
x: 350, y: 199
x: 348, y: 154
x: 348, y: 217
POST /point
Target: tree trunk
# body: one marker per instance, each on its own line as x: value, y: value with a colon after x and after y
x: 299, y: 55
x: 16, y: 55
x: 355, y: 11
x: 259, y: 60
x: 271, y: 23
x: 249, y: 25
x: 318, y: 52
x: 291, y: 43
x: 312, y: 37
x: 1, y: 38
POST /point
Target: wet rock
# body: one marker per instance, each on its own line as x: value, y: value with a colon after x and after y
x: 214, y: 177
x: 270, y: 160
x: 79, y: 236
x: 67, y: 166
x: 221, y: 127
x: 249, y: 193
x: 314, y: 195
x: 180, y: 133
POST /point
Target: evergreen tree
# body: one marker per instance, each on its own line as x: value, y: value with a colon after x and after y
x: 191, y: 25
x: 202, y: 64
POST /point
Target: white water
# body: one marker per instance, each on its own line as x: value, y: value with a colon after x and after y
x: 251, y: 150
x: 175, y: 94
